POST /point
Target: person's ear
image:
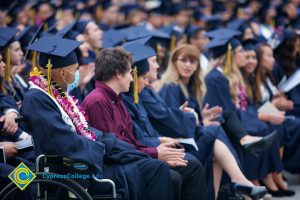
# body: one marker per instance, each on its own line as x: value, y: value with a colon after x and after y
x: 62, y: 73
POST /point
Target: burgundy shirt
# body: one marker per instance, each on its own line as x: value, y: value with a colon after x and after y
x: 107, y: 112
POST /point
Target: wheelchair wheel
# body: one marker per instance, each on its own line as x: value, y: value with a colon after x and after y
x: 52, y: 189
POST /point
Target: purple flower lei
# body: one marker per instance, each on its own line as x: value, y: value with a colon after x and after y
x: 70, y: 106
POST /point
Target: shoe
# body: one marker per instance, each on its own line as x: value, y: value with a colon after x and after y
x: 274, y: 193
x: 255, y: 193
x: 287, y: 193
x: 262, y: 144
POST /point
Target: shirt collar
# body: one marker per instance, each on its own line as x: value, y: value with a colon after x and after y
x: 108, y: 91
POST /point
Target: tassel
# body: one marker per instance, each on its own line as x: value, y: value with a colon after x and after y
x: 158, y: 50
x: 33, y: 60
x: 99, y: 11
x: 49, y: 66
x: 228, y: 63
x: 35, y: 72
x: 7, y: 70
x: 272, y: 24
x: 173, y: 42
x: 135, y: 86
x: 45, y: 26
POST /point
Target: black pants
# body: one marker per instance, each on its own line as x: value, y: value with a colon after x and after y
x: 193, y: 181
x: 233, y: 127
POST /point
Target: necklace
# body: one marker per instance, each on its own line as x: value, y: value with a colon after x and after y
x: 68, y: 103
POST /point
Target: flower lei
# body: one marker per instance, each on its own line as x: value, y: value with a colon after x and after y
x: 67, y: 102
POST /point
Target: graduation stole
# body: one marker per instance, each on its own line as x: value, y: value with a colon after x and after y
x: 68, y: 103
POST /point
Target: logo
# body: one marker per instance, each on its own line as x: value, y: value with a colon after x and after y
x: 22, y: 176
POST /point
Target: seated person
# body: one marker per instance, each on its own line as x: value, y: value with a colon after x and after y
x: 208, y: 140
x: 107, y: 112
x: 58, y: 126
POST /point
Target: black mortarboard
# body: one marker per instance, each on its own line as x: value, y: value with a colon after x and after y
x: 140, y: 54
x: 112, y: 38
x: 7, y: 35
x: 81, y: 25
x: 249, y: 44
x: 219, y: 46
x: 136, y: 32
x: 63, y: 32
x: 24, y: 36
x: 222, y: 33
x: 59, y: 50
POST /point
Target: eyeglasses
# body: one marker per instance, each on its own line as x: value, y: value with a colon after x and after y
x: 185, y: 61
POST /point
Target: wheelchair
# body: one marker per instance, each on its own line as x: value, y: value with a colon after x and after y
x: 57, y: 188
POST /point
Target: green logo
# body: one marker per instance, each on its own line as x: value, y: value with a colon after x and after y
x: 22, y: 176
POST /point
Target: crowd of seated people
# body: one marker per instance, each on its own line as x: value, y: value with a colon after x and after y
x: 174, y: 100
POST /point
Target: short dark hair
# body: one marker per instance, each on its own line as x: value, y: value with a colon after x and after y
x: 111, y: 61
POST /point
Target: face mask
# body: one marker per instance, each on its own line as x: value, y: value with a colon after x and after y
x: 71, y: 86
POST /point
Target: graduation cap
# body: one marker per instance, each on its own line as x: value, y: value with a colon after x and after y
x: 55, y: 53
x: 140, y: 54
x: 80, y: 26
x: 112, y: 38
x: 24, y: 36
x: 250, y: 44
x: 59, y: 50
x: 136, y: 32
x: 224, y: 46
x: 193, y: 29
x: 63, y: 32
x: 223, y: 33
x: 7, y: 36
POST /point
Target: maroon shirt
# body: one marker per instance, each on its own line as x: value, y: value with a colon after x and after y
x: 107, y: 112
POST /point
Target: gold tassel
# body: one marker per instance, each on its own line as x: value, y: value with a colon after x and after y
x: 49, y: 66
x: 173, y: 42
x: 33, y: 60
x: 35, y: 72
x: 7, y: 70
x: 272, y: 23
x: 99, y: 11
x: 45, y: 26
x: 239, y: 12
x: 158, y: 50
x: 135, y: 86
x: 228, y: 63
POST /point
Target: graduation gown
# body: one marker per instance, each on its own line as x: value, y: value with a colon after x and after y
x: 170, y: 121
x: 293, y: 94
x: 218, y: 94
x: 107, y: 156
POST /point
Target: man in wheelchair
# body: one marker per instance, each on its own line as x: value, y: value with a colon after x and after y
x: 58, y: 127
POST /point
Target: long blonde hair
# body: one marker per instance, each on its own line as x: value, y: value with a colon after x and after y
x: 234, y: 77
x: 172, y: 75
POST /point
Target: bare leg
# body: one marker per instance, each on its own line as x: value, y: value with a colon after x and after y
x: 217, y: 171
x: 228, y: 163
x: 269, y: 182
x: 249, y: 139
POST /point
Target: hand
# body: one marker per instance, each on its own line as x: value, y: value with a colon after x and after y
x: 276, y: 118
x: 10, y: 126
x: 184, y: 107
x: 86, y: 73
x: 10, y: 149
x: 282, y: 103
x: 209, y: 115
x: 173, y: 157
x: 166, y: 140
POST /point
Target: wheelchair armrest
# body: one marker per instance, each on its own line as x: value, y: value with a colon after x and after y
x: 108, y: 181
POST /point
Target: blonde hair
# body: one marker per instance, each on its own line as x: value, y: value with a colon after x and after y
x: 172, y: 75
x: 234, y: 77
